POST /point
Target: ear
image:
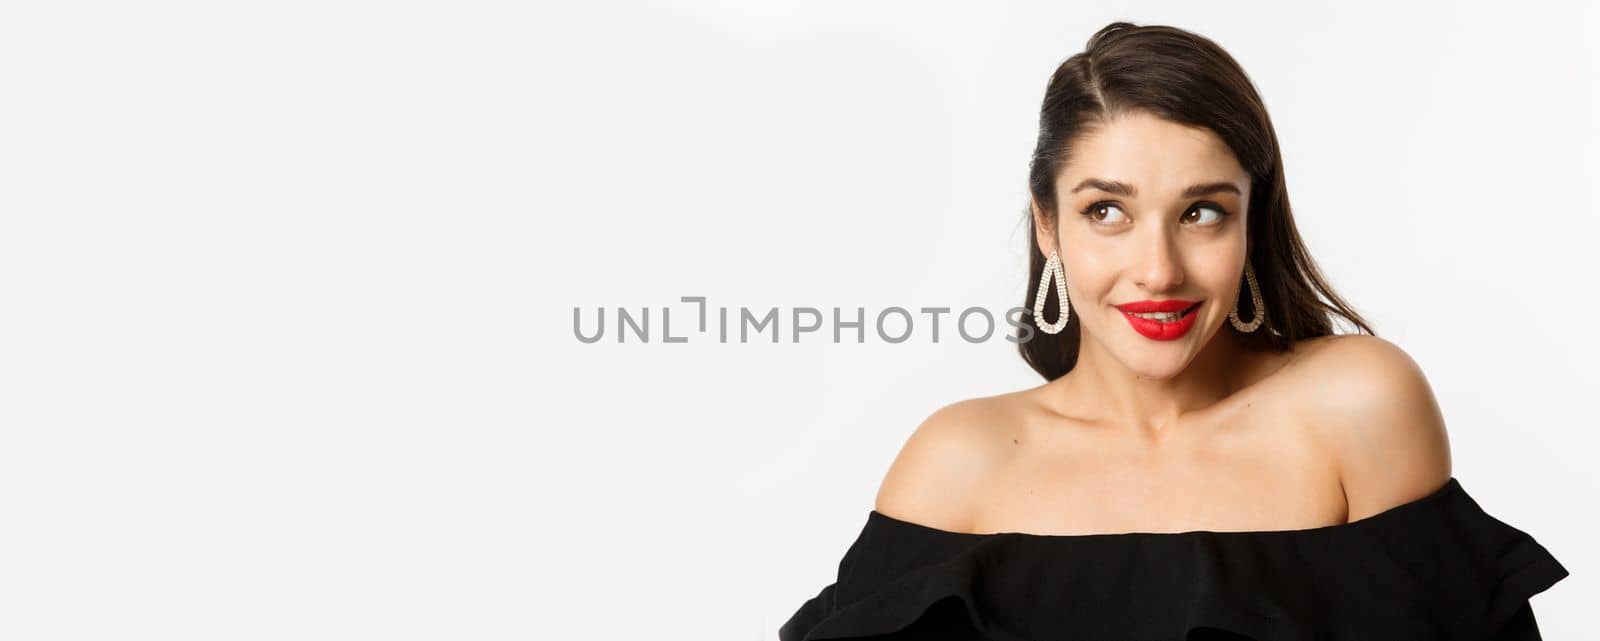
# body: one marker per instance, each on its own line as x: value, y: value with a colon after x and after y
x: 1044, y: 231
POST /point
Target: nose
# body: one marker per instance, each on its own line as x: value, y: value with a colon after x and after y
x: 1158, y: 266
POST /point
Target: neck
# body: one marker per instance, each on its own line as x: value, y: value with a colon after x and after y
x: 1107, y: 391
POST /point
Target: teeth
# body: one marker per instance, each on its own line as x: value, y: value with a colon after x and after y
x: 1165, y: 317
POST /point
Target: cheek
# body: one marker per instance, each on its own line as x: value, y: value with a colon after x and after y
x: 1087, y: 277
x: 1085, y: 251
x: 1218, y: 281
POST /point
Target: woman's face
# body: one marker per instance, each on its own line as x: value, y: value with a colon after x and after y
x: 1150, y: 210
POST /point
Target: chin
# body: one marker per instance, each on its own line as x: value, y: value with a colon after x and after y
x: 1159, y: 366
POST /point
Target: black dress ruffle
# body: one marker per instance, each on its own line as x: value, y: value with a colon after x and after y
x: 1436, y: 568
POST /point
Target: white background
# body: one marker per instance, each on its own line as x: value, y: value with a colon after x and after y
x: 286, y: 289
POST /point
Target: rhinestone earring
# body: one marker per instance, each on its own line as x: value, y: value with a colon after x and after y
x: 1052, y: 268
x: 1255, y: 300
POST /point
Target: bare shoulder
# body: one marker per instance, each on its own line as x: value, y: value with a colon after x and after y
x: 1373, y: 406
x: 936, y: 476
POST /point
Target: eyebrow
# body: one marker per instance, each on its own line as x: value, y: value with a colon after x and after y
x: 1125, y: 189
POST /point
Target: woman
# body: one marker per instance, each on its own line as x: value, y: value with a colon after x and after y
x: 1207, y: 459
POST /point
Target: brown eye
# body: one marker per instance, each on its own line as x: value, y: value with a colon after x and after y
x: 1100, y: 212
x: 1215, y: 220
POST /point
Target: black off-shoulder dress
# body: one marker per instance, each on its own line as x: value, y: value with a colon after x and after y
x: 1436, y: 568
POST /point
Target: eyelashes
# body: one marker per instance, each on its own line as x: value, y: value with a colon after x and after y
x: 1089, y: 212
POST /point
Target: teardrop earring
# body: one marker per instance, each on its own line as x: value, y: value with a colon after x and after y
x: 1052, y: 268
x: 1255, y: 301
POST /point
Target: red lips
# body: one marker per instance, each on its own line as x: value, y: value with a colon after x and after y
x: 1159, y: 330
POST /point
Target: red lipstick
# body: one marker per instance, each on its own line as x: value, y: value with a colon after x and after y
x: 1156, y: 329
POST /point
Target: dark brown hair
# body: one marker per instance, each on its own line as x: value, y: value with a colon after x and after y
x: 1184, y: 78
